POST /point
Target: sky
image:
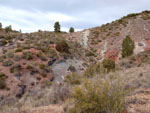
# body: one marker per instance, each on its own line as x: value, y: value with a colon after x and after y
x: 32, y: 15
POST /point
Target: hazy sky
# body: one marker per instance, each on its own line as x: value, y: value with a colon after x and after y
x: 31, y: 15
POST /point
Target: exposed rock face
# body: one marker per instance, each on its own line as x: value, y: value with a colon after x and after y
x: 113, y: 54
x: 85, y: 37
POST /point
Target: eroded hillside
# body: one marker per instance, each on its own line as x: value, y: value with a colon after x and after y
x: 42, y: 68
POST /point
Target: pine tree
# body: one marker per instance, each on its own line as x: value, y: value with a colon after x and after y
x: 127, y: 47
x: 57, y: 27
x: 71, y: 30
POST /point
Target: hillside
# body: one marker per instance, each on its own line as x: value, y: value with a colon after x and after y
x: 106, y: 40
x: 40, y: 69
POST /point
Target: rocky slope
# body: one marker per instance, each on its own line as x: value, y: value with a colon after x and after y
x: 108, y: 38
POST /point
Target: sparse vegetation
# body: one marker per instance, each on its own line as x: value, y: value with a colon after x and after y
x: 33, y: 60
x: 146, y: 17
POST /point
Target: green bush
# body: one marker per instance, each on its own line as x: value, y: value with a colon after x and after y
x: 42, y: 66
x: 127, y: 47
x: 44, y: 49
x: 96, y: 34
x: 92, y: 70
x: 2, y: 58
x: 27, y: 55
x: 109, y: 65
x: 100, y: 96
x: 15, y: 68
x: 41, y: 56
x: 10, y: 54
x: 89, y: 53
x: 18, y: 50
x: 2, y: 80
x: 2, y: 84
x: 21, y: 39
x: 43, y: 73
x: 30, y: 67
x: 17, y: 58
x: 73, y: 79
x: 1, y: 37
x: 52, y: 53
x: 3, y: 42
x: 8, y: 63
x: 62, y: 46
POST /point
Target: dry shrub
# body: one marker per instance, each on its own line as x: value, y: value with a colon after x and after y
x: 98, y: 96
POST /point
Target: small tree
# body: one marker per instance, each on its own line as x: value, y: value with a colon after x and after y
x: 0, y: 25
x: 71, y: 30
x: 57, y: 27
x: 127, y: 47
